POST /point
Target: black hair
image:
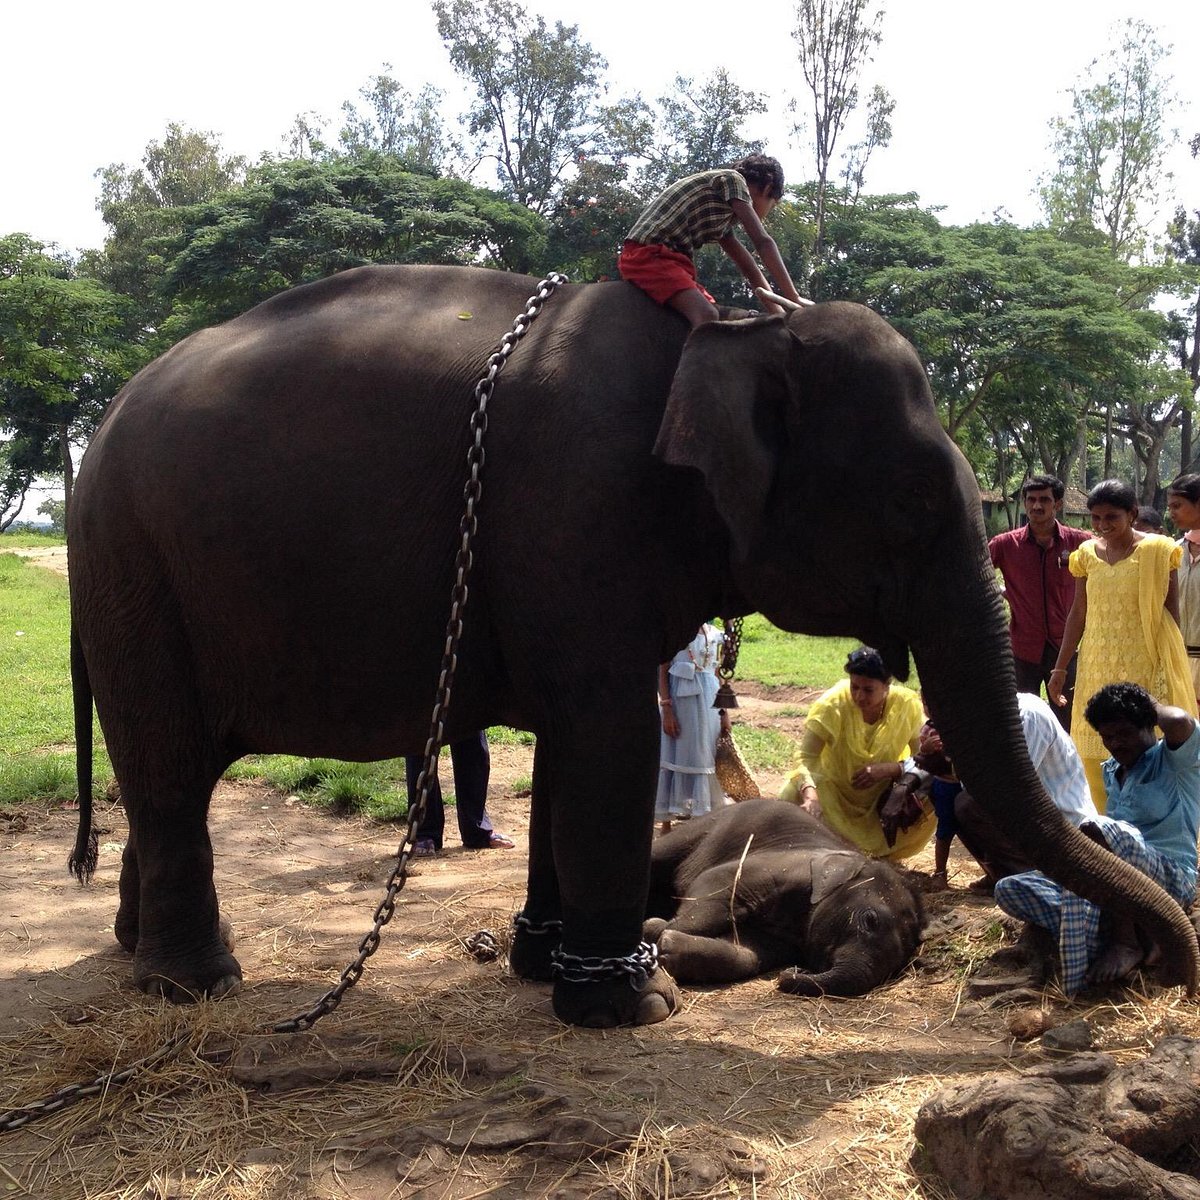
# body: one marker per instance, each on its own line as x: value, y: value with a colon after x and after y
x: 1116, y: 492
x: 868, y: 662
x: 1151, y: 516
x: 1187, y: 486
x: 1121, y: 702
x: 760, y: 171
x: 1036, y: 483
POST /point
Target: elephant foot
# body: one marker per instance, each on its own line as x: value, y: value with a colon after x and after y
x: 652, y: 928
x: 186, y: 983
x: 532, y: 953
x: 611, y: 1002
x: 126, y: 930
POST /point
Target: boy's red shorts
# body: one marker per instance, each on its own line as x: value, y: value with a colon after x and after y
x: 658, y: 270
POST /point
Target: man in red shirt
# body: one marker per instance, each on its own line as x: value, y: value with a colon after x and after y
x: 1038, y: 585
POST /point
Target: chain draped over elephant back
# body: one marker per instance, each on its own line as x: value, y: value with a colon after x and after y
x: 850, y: 743
x: 1129, y: 636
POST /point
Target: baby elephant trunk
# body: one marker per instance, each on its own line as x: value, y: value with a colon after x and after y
x: 848, y: 977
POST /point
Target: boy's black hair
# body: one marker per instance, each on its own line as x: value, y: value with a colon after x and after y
x: 1121, y: 702
x: 1036, y: 483
x: 869, y: 662
x: 763, y: 172
x: 1116, y: 492
x: 1151, y: 516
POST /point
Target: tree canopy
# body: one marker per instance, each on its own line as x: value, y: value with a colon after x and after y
x: 1049, y: 348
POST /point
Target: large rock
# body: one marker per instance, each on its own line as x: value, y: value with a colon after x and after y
x: 1102, y: 1132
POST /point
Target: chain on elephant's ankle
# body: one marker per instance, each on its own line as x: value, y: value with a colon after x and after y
x: 522, y: 924
x: 636, y: 967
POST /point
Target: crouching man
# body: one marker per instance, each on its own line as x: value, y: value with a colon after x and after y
x: 1153, y: 812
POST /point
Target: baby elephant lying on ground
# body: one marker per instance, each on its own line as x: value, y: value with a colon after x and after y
x: 762, y: 885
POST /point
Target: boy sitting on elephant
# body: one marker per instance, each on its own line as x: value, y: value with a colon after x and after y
x: 697, y: 211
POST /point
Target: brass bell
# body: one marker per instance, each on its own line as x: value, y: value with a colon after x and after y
x: 726, y: 697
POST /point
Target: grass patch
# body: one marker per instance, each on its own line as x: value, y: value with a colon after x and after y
x: 770, y: 656
x: 376, y: 789
x: 766, y: 749
x: 30, y: 541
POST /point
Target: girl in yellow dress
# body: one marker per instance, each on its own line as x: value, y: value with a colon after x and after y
x: 1127, y: 615
x: 856, y: 737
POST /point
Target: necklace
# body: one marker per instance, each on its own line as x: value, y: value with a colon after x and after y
x: 1112, y: 556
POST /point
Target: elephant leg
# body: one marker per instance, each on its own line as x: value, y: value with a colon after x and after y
x: 180, y: 951
x: 126, y: 928
x: 537, y: 937
x: 602, y: 792
x: 695, y: 959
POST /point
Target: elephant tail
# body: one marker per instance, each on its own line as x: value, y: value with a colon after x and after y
x: 82, y: 862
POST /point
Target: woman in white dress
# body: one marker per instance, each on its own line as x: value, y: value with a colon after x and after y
x: 687, y: 686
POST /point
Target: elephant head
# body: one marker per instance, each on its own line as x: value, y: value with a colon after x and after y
x: 817, y: 432
x: 864, y: 924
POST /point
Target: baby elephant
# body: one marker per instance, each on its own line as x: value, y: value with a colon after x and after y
x: 762, y: 885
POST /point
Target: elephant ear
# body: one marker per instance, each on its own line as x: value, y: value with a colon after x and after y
x: 724, y: 417
x: 832, y: 871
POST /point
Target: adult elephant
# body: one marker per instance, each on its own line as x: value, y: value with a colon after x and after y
x: 262, y: 540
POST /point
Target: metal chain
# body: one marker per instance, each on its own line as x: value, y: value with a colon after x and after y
x: 636, y: 967
x: 74, y: 1092
x: 729, y: 652
x: 17, y: 1117
x: 454, y: 628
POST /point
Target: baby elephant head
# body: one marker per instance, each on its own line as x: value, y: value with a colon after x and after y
x: 864, y: 926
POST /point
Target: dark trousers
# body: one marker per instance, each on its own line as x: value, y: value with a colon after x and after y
x: 995, y: 851
x: 1031, y: 676
x: 472, y: 765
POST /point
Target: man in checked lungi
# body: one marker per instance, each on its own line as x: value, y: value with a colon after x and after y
x: 1153, y: 813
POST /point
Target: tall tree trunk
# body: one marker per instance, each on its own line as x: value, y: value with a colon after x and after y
x: 64, y: 445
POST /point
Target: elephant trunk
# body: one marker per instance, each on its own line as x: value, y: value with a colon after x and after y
x: 969, y: 686
x: 848, y: 976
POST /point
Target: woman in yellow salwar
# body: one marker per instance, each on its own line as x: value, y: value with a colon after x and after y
x: 856, y: 738
x: 1127, y: 615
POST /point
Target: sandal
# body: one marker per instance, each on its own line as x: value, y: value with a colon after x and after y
x: 499, y: 841
x: 424, y: 848
x: 938, y: 882
x: 982, y: 886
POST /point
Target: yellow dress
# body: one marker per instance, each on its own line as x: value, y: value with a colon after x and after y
x: 1129, y: 636
x: 850, y: 743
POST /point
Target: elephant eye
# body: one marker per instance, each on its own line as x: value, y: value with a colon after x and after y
x: 868, y: 918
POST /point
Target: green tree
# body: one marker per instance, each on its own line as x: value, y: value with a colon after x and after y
x: 62, y: 357
x: 1110, y: 148
x: 699, y: 126
x: 537, y: 107
x: 835, y: 40
x: 391, y: 121
x: 142, y: 205
x: 292, y: 223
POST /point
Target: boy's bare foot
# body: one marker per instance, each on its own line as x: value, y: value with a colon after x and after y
x: 1116, y: 961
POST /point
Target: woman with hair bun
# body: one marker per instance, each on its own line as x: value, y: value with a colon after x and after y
x: 1124, y: 621
x: 856, y: 739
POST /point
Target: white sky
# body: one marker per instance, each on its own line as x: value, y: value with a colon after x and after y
x: 84, y: 84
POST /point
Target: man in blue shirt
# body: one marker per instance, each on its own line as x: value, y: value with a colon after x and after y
x: 1153, y: 815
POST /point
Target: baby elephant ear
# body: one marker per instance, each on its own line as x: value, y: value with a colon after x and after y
x: 724, y: 417
x: 832, y: 871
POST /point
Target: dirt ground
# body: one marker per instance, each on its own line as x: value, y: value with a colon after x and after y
x: 443, y: 1077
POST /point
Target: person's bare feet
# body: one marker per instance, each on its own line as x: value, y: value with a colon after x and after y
x: 1117, y: 961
